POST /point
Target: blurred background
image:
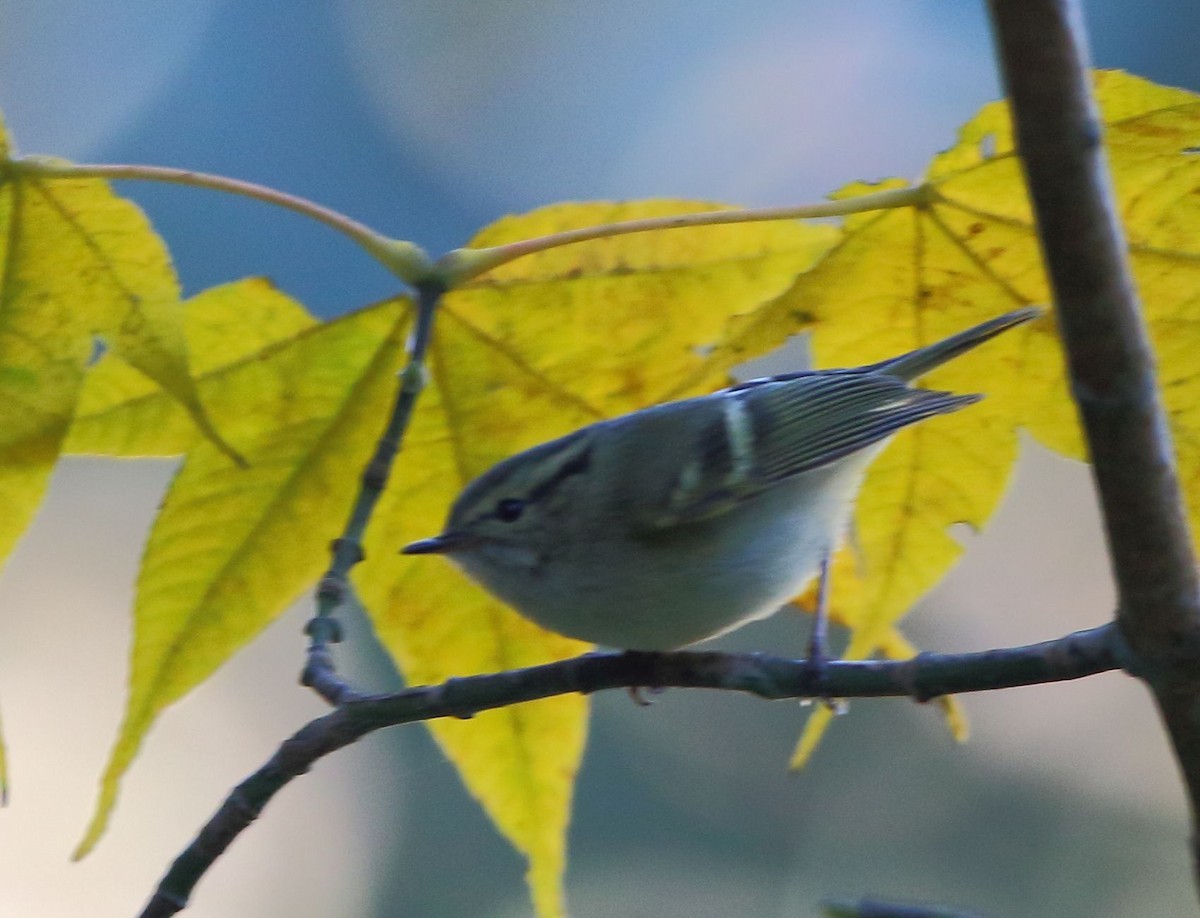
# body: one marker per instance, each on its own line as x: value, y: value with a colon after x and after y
x: 428, y: 120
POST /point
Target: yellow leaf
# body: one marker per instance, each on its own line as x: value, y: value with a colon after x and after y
x: 99, y: 271
x: 1149, y: 132
x: 526, y: 353
x: 904, y: 278
x: 814, y: 730
x: 233, y: 546
x: 122, y: 412
x: 76, y: 262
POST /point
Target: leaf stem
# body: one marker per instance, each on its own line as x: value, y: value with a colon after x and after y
x: 404, y: 259
x: 921, y: 678
x: 333, y: 590
x: 461, y: 265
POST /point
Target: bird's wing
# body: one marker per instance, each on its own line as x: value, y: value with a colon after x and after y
x: 771, y: 430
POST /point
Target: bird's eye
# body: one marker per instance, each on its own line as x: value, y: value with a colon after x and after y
x: 510, y: 509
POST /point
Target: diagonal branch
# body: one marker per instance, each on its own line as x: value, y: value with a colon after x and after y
x: 333, y: 590
x: 1044, y: 57
x: 922, y: 678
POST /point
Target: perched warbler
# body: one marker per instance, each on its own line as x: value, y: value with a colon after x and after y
x: 679, y: 522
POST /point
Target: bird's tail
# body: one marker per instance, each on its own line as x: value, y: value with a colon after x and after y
x: 919, y: 362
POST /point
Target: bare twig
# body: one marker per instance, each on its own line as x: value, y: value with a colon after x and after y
x: 882, y: 908
x: 922, y: 678
x: 1043, y: 52
x: 334, y: 587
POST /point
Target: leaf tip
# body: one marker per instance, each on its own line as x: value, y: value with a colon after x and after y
x: 955, y: 716
x: 99, y: 822
x: 814, y: 729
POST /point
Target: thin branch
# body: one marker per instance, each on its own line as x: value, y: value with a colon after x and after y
x: 405, y: 260
x: 1044, y: 55
x: 461, y: 265
x: 883, y: 908
x: 333, y: 590
x: 922, y: 678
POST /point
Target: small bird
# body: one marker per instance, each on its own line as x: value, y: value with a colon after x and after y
x: 680, y: 522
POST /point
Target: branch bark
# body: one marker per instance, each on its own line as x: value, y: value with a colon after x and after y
x: 1045, y: 63
x: 333, y: 590
x: 922, y: 678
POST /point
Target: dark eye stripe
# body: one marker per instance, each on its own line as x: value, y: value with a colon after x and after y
x: 513, y: 479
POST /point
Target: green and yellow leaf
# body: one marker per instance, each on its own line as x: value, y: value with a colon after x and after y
x: 48, y: 268
x: 122, y: 412
x: 77, y: 264
x: 232, y: 547
x: 903, y: 278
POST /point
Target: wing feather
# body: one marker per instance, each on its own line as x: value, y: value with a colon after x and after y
x: 773, y: 429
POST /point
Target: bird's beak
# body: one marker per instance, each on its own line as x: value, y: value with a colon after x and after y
x: 442, y: 544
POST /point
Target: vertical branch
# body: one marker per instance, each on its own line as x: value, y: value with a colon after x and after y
x: 1044, y: 57
x: 334, y: 587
